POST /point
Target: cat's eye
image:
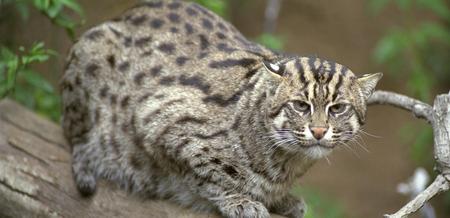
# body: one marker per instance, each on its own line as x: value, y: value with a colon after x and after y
x: 301, y: 106
x: 337, y: 109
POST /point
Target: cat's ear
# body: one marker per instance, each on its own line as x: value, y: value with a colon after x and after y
x: 368, y: 82
x: 275, y: 68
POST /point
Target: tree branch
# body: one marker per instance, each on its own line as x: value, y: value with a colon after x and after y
x: 418, y: 108
x: 439, y: 118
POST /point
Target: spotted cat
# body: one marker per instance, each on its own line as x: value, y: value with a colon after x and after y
x: 172, y: 102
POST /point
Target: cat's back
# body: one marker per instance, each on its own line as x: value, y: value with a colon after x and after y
x: 158, y: 44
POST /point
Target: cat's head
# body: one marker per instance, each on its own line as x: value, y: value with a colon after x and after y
x: 316, y: 105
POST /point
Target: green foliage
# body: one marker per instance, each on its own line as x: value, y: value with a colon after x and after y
x: 18, y: 80
x: 318, y: 205
x: 271, y: 41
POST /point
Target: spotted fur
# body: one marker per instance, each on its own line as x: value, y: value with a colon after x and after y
x: 170, y: 101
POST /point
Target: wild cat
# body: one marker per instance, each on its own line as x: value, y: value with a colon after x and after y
x: 171, y: 101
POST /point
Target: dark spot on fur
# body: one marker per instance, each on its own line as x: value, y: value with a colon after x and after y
x: 189, y: 119
x: 191, y: 12
x: 145, y: 97
x: 95, y: 34
x: 181, y: 60
x: 222, y: 26
x: 189, y: 29
x: 159, y: 96
x: 111, y: 61
x: 250, y: 73
x: 230, y: 170
x: 202, y: 55
x: 147, y: 53
x: 77, y: 80
x: 153, y: 4
x: 156, y: 23
x: 125, y: 101
x: 113, y: 99
x: 135, y: 162
x: 138, y: 78
x: 205, y: 149
x: 173, y: 17
x: 222, y: 101
x: 139, y: 20
x: 203, y: 10
x: 142, y: 41
x: 236, y: 123
x: 243, y: 62
x: 207, y: 24
x: 91, y: 69
x: 196, y: 82
x: 124, y: 66
x: 67, y: 86
x: 167, y: 80
x: 127, y: 41
x: 104, y: 91
x: 221, y: 35
x: 174, y: 5
x: 114, y: 118
x: 156, y: 70
x: 213, y: 135
x: 224, y: 47
x: 167, y: 48
x: 204, y: 44
x: 216, y: 161
x: 116, y: 32
x: 173, y: 30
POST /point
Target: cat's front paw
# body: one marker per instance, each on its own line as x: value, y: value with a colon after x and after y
x: 244, y: 208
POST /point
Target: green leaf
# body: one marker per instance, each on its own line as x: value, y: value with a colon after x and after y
x: 73, y: 5
x: 37, y: 81
x: 54, y: 10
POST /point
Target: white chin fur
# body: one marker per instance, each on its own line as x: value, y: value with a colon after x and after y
x: 317, y: 152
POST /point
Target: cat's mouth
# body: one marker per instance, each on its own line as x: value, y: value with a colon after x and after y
x: 321, y: 144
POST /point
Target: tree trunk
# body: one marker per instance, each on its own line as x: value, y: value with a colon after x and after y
x: 36, y: 177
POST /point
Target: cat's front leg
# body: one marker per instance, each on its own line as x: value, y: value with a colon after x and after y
x: 290, y: 207
x: 218, y: 178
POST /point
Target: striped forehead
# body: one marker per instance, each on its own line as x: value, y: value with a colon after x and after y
x: 320, y: 78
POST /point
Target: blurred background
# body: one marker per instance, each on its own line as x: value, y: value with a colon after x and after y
x: 408, y: 40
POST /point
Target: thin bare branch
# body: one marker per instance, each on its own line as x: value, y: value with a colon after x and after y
x: 419, y: 108
x: 439, y: 185
x: 439, y: 118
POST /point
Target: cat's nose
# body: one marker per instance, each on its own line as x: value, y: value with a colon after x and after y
x: 318, y: 131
